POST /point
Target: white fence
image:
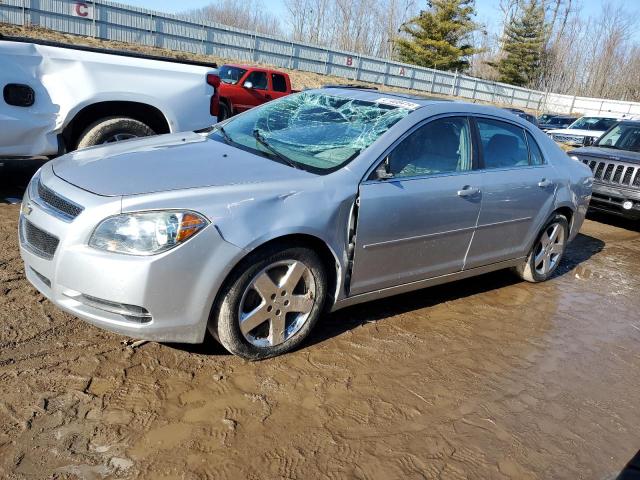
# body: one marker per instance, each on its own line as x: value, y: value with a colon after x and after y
x: 113, y: 21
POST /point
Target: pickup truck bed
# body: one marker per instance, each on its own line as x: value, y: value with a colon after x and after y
x: 58, y: 97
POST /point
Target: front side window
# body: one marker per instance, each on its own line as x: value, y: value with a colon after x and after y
x: 230, y: 75
x: 279, y: 83
x: 440, y: 146
x: 503, y: 144
x: 315, y: 131
x: 258, y: 80
x: 622, y: 137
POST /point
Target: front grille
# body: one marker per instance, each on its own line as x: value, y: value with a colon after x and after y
x: 42, y: 278
x: 58, y: 203
x: 614, y: 173
x: 568, y: 138
x: 37, y: 241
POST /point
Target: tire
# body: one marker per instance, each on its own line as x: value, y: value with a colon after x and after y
x: 241, y: 297
x: 223, y: 111
x: 539, y: 268
x: 110, y: 129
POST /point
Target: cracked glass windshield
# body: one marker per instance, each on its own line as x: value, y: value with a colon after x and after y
x: 313, y: 131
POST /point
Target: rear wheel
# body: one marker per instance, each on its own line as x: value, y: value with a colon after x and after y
x: 224, y: 111
x: 113, y: 129
x: 270, y: 303
x: 547, y: 251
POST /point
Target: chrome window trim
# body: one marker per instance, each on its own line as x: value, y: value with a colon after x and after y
x: 366, y: 180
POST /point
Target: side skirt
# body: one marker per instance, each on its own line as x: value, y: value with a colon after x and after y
x: 430, y: 282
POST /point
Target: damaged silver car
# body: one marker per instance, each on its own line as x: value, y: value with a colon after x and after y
x: 310, y: 203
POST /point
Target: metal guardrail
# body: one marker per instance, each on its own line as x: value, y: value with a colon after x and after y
x: 113, y: 21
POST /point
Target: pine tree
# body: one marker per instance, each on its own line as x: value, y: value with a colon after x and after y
x: 523, y: 46
x: 439, y: 37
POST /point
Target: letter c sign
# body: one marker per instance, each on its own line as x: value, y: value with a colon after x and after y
x: 82, y: 10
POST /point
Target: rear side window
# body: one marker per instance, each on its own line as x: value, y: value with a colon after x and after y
x: 258, y: 80
x: 503, y: 144
x: 279, y: 83
x: 534, y: 151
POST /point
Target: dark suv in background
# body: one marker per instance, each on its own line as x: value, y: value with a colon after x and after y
x: 614, y: 160
x: 553, y: 122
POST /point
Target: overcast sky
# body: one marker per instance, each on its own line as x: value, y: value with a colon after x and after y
x: 488, y: 12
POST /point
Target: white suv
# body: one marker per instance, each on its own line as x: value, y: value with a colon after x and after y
x: 585, y: 130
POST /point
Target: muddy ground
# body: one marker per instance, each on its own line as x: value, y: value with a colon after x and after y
x: 486, y: 378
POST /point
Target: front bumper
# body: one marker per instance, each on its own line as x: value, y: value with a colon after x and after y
x: 176, y: 288
x: 610, y: 199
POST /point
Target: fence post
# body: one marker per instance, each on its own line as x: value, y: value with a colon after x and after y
x: 433, y: 80
x: 528, y: 99
x: 453, y: 86
x: 24, y: 13
x: 513, y: 94
x: 573, y: 102
x: 475, y: 88
x: 385, y: 79
x: 94, y: 28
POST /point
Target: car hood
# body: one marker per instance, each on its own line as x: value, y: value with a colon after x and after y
x: 608, y: 154
x: 167, y: 162
x: 577, y: 132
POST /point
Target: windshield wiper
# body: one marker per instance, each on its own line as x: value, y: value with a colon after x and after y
x: 225, y: 135
x: 607, y: 146
x: 261, y: 140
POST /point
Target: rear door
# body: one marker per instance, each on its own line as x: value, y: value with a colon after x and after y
x: 279, y: 85
x: 518, y: 192
x: 419, y: 223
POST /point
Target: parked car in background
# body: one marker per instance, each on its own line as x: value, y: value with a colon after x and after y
x: 556, y: 123
x: 585, y: 130
x: 243, y: 87
x: 615, y: 162
x: 522, y: 114
x: 59, y: 97
x: 312, y: 202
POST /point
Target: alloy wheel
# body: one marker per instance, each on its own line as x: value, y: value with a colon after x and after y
x: 549, y: 249
x: 118, y: 137
x: 276, y: 303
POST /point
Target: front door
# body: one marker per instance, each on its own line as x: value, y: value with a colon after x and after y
x: 258, y: 94
x: 419, y: 223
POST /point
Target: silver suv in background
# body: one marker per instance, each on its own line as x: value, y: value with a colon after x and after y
x: 310, y: 203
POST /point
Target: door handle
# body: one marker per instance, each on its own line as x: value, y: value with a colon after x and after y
x: 544, y: 183
x: 468, y: 191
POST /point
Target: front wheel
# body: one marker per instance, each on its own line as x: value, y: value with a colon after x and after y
x: 270, y: 303
x: 547, y: 251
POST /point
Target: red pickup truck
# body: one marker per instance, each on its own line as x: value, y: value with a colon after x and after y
x: 243, y: 87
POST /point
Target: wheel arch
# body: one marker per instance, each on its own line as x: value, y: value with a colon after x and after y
x: 143, y: 112
x: 327, y: 255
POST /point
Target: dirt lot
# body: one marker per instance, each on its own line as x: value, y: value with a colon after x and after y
x: 484, y: 378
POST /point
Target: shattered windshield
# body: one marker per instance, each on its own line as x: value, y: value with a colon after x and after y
x: 313, y: 131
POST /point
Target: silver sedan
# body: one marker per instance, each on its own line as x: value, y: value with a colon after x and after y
x: 313, y: 202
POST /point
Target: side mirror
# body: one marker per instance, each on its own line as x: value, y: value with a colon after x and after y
x: 588, y: 141
x: 248, y: 84
x: 383, y: 171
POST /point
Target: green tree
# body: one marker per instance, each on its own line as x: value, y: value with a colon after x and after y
x: 523, y: 46
x: 440, y: 36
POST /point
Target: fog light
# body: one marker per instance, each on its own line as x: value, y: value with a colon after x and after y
x: 627, y: 205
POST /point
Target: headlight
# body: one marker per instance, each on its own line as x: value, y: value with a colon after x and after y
x: 146, y: 233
